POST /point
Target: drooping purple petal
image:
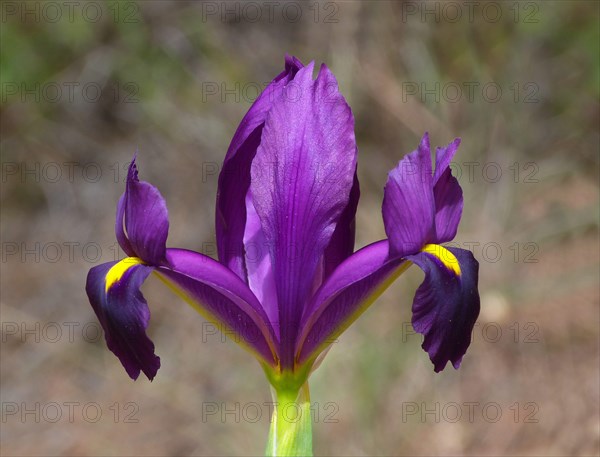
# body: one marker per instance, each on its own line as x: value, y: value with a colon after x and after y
x: 342, y: 240
x: 142, y: 223
x: 345, y: 295
x: 447, y: 193
x: 222, y: 297
x: 234, y: 179
x: 297, y: 194
x: 446, y: 306
x: 124, y: 316
x: 408, y: 202
x: 211, y: 288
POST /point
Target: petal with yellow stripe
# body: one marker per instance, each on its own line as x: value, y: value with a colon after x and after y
x: 446, y: 304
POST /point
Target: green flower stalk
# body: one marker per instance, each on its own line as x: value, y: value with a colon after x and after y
x: 290, y: 433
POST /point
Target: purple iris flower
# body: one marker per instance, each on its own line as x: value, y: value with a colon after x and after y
x: 287, y: 281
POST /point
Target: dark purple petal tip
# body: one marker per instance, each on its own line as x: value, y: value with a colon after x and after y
x: 446, y: 306
x: 124, y: 316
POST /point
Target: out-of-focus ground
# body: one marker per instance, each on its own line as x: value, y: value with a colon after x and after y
x: 518, y: 81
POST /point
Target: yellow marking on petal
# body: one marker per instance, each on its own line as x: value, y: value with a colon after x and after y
x: 118, y: 270
x: 448, y: 259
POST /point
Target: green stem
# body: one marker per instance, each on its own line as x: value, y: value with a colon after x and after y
x: 290, y: 433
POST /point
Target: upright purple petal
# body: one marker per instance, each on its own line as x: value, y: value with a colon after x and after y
x: 342, y: 240
x: 124, y: 316
x: 447, y: 193
x: 446, y: 306
x: 142, y: 223
x: 298, y: 194
x: 408, y: 202
x: 443, y: 158
x: 234, y: 179
x: 345, y: 295
x: 120, y: 227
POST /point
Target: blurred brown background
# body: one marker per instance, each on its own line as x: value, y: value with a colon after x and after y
x: 86, y: 83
